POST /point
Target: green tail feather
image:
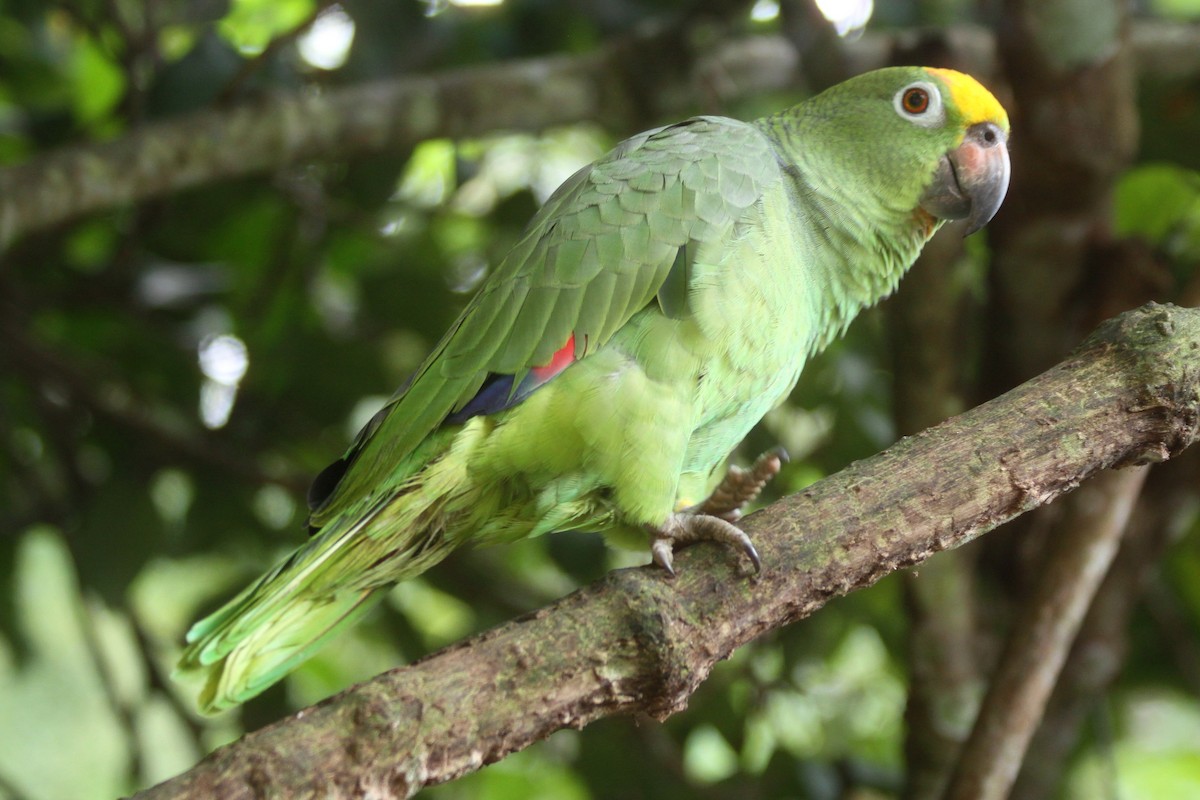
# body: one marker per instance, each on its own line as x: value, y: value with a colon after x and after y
x: 282, y: 619
x: 256, y: 661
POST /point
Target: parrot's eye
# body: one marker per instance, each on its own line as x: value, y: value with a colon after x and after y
x: 915, y: 101
x: 921, y: 104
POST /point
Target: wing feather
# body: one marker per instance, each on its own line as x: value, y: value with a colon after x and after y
x: 596, y: 253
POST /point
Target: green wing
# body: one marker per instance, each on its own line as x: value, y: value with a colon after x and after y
x: 611, y: 238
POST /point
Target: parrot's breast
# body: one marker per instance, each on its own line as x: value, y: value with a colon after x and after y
x: 639, y: 427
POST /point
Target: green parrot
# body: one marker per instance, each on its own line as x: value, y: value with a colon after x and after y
x: 657, y: 306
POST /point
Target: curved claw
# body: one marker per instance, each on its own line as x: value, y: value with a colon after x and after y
x: 685, y: 528
x: 661, y: 554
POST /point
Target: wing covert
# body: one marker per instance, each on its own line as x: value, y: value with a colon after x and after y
x: 597, y: 252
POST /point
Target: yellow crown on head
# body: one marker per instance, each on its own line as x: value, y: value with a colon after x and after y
x: 974, y: 102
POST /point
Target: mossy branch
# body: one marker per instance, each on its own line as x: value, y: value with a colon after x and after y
x: 638, y: 642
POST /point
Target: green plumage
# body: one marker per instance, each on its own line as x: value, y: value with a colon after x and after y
x: 697, y: 266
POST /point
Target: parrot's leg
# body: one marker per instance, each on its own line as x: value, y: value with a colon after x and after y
x: 741, y: 486
x: 685, y: 527
x: 712, y: 520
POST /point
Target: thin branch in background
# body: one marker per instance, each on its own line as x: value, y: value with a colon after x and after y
x: 140, y: 55
x: 393, y: 115
x: 1101, y: 647
x: 296, y: 252
x: 161, y: 682
x: 660, y: 747
x: 41, y: 363
x: 944, y: 683
x: 37, y: 497
x: 120, y: 711
x: 925, y: 323
x: 1076, y: 563
x: 822, y: 52
x: 58, y: 429
x: 1106, y: 746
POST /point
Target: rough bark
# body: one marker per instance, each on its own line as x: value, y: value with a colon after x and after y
x: 627, y: 85
x: 638, y: 642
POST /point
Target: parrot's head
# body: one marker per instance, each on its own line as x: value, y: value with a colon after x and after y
x: 928, y: 142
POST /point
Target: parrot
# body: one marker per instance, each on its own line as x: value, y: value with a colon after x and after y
x: 661, y: 301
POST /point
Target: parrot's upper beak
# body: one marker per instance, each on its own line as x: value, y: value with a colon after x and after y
x: 972, y: 179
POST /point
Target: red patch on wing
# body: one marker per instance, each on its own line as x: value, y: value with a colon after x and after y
x: 561, y: 359
x: 498, y: 392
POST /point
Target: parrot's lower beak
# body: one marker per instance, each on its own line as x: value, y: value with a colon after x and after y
x: 971, y: 180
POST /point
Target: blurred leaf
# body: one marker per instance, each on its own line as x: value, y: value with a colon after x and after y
x: 99, y: 83
x: 1157, y: 752
x: 90, y: 246
x: 164, y: 740
x: 251, y: 24
x: 1177, y: 9
x: 1161, y: 203
x: 707, y: 757
x: 439, y: 617
x: 53, y: 704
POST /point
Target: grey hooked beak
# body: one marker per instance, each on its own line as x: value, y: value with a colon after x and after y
x: 971, y: 180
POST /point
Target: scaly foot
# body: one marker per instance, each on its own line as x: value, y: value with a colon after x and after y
x: 686, y: 527
x: 712, y: 520
x: 741, y: 486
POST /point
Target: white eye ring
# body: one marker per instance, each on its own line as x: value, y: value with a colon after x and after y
x: 931, y: 115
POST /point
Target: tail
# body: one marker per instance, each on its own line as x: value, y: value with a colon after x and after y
x: 282, y: 619
x: 237, y: 659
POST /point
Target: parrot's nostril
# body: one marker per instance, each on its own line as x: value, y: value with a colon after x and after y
x: 986, y: 135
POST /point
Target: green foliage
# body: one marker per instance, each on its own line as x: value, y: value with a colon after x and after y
x: 1177, y: 9
x: 1160, y: 203
x: 250, y: 25
x: 78, y: 691
x: 1155, y: 755
x: 546, y: 774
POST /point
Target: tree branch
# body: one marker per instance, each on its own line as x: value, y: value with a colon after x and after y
x: 637, y: 642
x: 121, y: 404
x: 627, y: 84
x: 1101, y: 647
x: 1042, y: 637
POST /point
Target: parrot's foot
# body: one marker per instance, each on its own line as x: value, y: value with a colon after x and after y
x: 741, y: 486
x: 686, y: 527
x: 712, y: 520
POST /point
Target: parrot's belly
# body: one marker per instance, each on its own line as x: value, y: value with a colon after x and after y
x: 631, y: 433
